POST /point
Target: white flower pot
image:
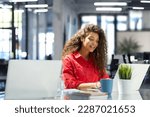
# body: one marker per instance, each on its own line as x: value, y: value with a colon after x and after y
x: 125, y: 86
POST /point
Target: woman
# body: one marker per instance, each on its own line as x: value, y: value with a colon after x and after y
x: 84, y: 59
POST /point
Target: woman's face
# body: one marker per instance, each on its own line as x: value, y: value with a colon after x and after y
x: 90, y: 42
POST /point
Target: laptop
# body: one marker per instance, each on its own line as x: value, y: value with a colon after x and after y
x: 32, y: 79
x: 138, y: 75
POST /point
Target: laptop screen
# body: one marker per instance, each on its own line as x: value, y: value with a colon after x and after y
x: 32, y: 79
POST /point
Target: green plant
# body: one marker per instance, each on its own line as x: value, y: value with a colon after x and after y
x: 125, y: 72
x: 128, y: 45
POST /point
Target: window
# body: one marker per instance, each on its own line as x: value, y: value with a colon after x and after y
x: 45, y: 44
x: 135, y: 20
x: 6, y: 32
x: 122, y: 23
x: 88, y: 20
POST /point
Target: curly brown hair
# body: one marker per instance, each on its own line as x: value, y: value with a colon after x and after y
x: 99, y: 54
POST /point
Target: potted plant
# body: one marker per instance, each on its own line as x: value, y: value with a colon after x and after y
x: 127, y: 46
x: 125, y: 72
x: 125, y: 85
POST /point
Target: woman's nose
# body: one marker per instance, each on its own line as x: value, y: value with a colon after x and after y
x: 94, y: 43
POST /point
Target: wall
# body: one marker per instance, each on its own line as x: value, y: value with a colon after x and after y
x: 63, y: 14
x: 146, y: 16
x: 32, y: 38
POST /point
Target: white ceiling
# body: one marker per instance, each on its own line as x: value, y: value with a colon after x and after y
x: 87, y: 6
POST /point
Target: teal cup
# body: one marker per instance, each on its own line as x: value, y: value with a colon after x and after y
x: 106, y: 85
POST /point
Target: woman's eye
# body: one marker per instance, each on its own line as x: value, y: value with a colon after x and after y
x: 90, y: 39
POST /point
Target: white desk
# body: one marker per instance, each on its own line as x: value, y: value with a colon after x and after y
x: 73, y: 94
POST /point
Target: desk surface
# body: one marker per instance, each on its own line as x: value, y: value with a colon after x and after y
x: 73, y: 94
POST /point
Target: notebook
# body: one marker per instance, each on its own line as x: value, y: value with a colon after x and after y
x: 32, y: 79
x: 138, y: 75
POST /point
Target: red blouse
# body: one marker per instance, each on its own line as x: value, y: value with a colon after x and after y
x: 77, y: 70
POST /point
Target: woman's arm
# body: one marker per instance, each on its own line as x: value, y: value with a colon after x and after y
x: 70, y: 80
x: 85, y: 86
x: 68, y: 75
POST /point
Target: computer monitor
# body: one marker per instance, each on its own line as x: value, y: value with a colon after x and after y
x: 146, y: 56
x: 32, y: 79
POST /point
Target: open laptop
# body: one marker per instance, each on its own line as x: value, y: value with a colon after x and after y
x: 138, y: 75
x: 32, y: 79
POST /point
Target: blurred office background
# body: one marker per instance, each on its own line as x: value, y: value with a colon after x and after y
x: 38, y: 29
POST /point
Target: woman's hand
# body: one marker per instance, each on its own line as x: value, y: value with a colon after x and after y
x: 97, y: 85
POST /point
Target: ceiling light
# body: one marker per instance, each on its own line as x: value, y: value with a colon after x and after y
x: 36, y: 5
x: 108, y: 9
x: 138, y: 8
x: 145, y: 1
x: 22, y: 0
x: 110, y: 4
x: 40, y: 10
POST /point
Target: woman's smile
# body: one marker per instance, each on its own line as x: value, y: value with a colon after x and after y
x: 92, y: 47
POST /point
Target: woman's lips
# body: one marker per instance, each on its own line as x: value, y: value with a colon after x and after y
x: 93, y: 47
